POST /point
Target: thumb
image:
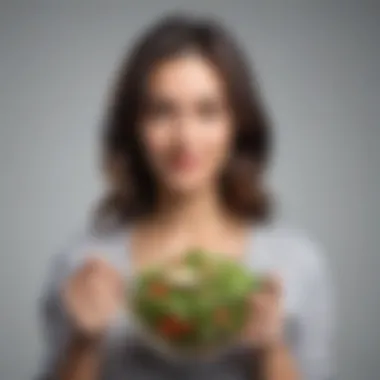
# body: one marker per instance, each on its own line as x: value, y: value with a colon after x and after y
x: 272, y: 284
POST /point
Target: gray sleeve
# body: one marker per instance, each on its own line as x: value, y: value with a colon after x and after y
x: 316, y: 321
x: 55, y: 324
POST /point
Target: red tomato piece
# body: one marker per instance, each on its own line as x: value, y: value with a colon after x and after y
x: 172, y: 327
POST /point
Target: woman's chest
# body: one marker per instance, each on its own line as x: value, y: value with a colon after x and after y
x: 263, y: 259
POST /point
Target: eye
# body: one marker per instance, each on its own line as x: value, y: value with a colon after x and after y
x: 159, y: 109
x: 209, y: 109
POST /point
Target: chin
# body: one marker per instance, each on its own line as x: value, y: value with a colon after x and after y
x: 186, y: 186
x: 184, y: 190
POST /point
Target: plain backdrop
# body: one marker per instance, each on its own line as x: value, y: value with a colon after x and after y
x: 319, y: 66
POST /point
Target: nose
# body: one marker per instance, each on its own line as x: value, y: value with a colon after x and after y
x: 184, y: 129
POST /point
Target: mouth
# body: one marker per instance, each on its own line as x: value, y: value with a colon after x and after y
x: 184, y: 162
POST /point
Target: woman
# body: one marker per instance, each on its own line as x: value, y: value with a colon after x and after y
x: 186, y: 144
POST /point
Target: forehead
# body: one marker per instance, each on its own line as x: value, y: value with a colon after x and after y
x: 185, y: 77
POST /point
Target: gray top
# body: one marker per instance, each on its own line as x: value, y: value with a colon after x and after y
x: 307, y: 301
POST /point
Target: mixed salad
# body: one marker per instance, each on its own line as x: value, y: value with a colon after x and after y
x: 195, y: 304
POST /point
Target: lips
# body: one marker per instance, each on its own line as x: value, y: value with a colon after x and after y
x: 184, y: 162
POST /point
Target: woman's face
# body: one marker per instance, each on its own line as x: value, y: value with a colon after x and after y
x: 186, y: 129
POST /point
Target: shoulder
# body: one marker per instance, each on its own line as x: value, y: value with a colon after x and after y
x: 292, y: 247
x: 76, y: 249
x: 298, y: 259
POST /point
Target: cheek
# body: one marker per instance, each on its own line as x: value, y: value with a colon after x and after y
x: 156, y: 142
x: 218, y: 144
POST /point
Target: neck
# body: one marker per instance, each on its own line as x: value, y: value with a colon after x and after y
x: 193, y: 211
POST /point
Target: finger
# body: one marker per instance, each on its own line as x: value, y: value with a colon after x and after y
x: 261, y: 308
x: 93, y: 263
x: 108, y: 271
x: 101, y: 268
x: 95, y: 282
x: 258, y: 300
x: 272, y: 284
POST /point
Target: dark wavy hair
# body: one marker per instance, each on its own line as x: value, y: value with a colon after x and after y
x: 133, y: 191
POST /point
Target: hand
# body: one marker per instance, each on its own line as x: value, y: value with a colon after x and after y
x: 92, y: 297
x: 266, y: 326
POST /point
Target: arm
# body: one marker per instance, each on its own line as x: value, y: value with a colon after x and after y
x: 68, y: 356
x: 277, y: 363
x: 272, y: 358
x: 81, y: 360
x: 75, y: 315
x: 310, y: 358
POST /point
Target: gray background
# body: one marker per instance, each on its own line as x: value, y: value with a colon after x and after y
x: 319, y: 63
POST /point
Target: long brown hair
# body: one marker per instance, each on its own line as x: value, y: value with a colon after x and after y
x: 134, y: 189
